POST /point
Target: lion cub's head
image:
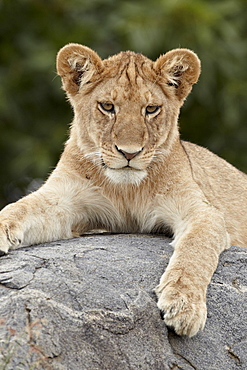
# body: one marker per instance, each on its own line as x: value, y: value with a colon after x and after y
x: 126, y: 107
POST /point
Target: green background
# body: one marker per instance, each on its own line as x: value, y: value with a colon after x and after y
x: 34, y: 115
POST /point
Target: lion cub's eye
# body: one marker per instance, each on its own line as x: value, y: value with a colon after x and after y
x: 151, y: 109
x: 107, y: 107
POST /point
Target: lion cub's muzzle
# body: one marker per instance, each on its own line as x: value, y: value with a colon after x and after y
x: 127, y: 165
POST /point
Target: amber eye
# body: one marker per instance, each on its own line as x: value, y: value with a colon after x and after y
x: 107, y: 107
x: 151, y: 109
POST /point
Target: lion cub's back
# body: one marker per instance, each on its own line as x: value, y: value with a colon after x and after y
x: 224, y: 186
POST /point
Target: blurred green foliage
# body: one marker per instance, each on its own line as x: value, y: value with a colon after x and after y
x: 34, y: 116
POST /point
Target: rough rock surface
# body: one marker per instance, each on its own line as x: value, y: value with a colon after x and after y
x: 88, y: 303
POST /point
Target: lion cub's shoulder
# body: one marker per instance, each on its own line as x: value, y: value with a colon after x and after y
x: 207, y: 167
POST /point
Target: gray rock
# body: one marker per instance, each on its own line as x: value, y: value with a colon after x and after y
x: 88, y: 303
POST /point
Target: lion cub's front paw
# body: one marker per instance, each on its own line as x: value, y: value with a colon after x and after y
x: 186, y: 312
x: 10, y: 236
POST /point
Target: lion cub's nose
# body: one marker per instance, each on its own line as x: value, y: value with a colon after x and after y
x: 128, y: 155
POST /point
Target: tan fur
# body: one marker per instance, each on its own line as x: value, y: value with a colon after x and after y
x: 169, y: 185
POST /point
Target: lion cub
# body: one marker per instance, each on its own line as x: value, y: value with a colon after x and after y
x: 125, y: 169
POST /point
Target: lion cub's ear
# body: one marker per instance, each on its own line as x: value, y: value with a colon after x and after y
x: 180, y: 68
x: 76, y: 64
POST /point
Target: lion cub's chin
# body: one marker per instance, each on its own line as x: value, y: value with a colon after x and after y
x: 126, y: 175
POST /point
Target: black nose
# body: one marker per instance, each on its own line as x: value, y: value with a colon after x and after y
x: 127, y: 155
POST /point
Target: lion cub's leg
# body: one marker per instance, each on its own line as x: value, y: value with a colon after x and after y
x: 39, y: 217
x: 60, y: 209
x: 199, y: 240
x: 33, y: 219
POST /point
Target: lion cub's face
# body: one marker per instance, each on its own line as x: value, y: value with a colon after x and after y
x: 126, y: 107
x: 128, y: 125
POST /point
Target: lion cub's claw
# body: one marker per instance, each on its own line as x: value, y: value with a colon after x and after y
x: 10, y: 237
x: 185, y: 314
